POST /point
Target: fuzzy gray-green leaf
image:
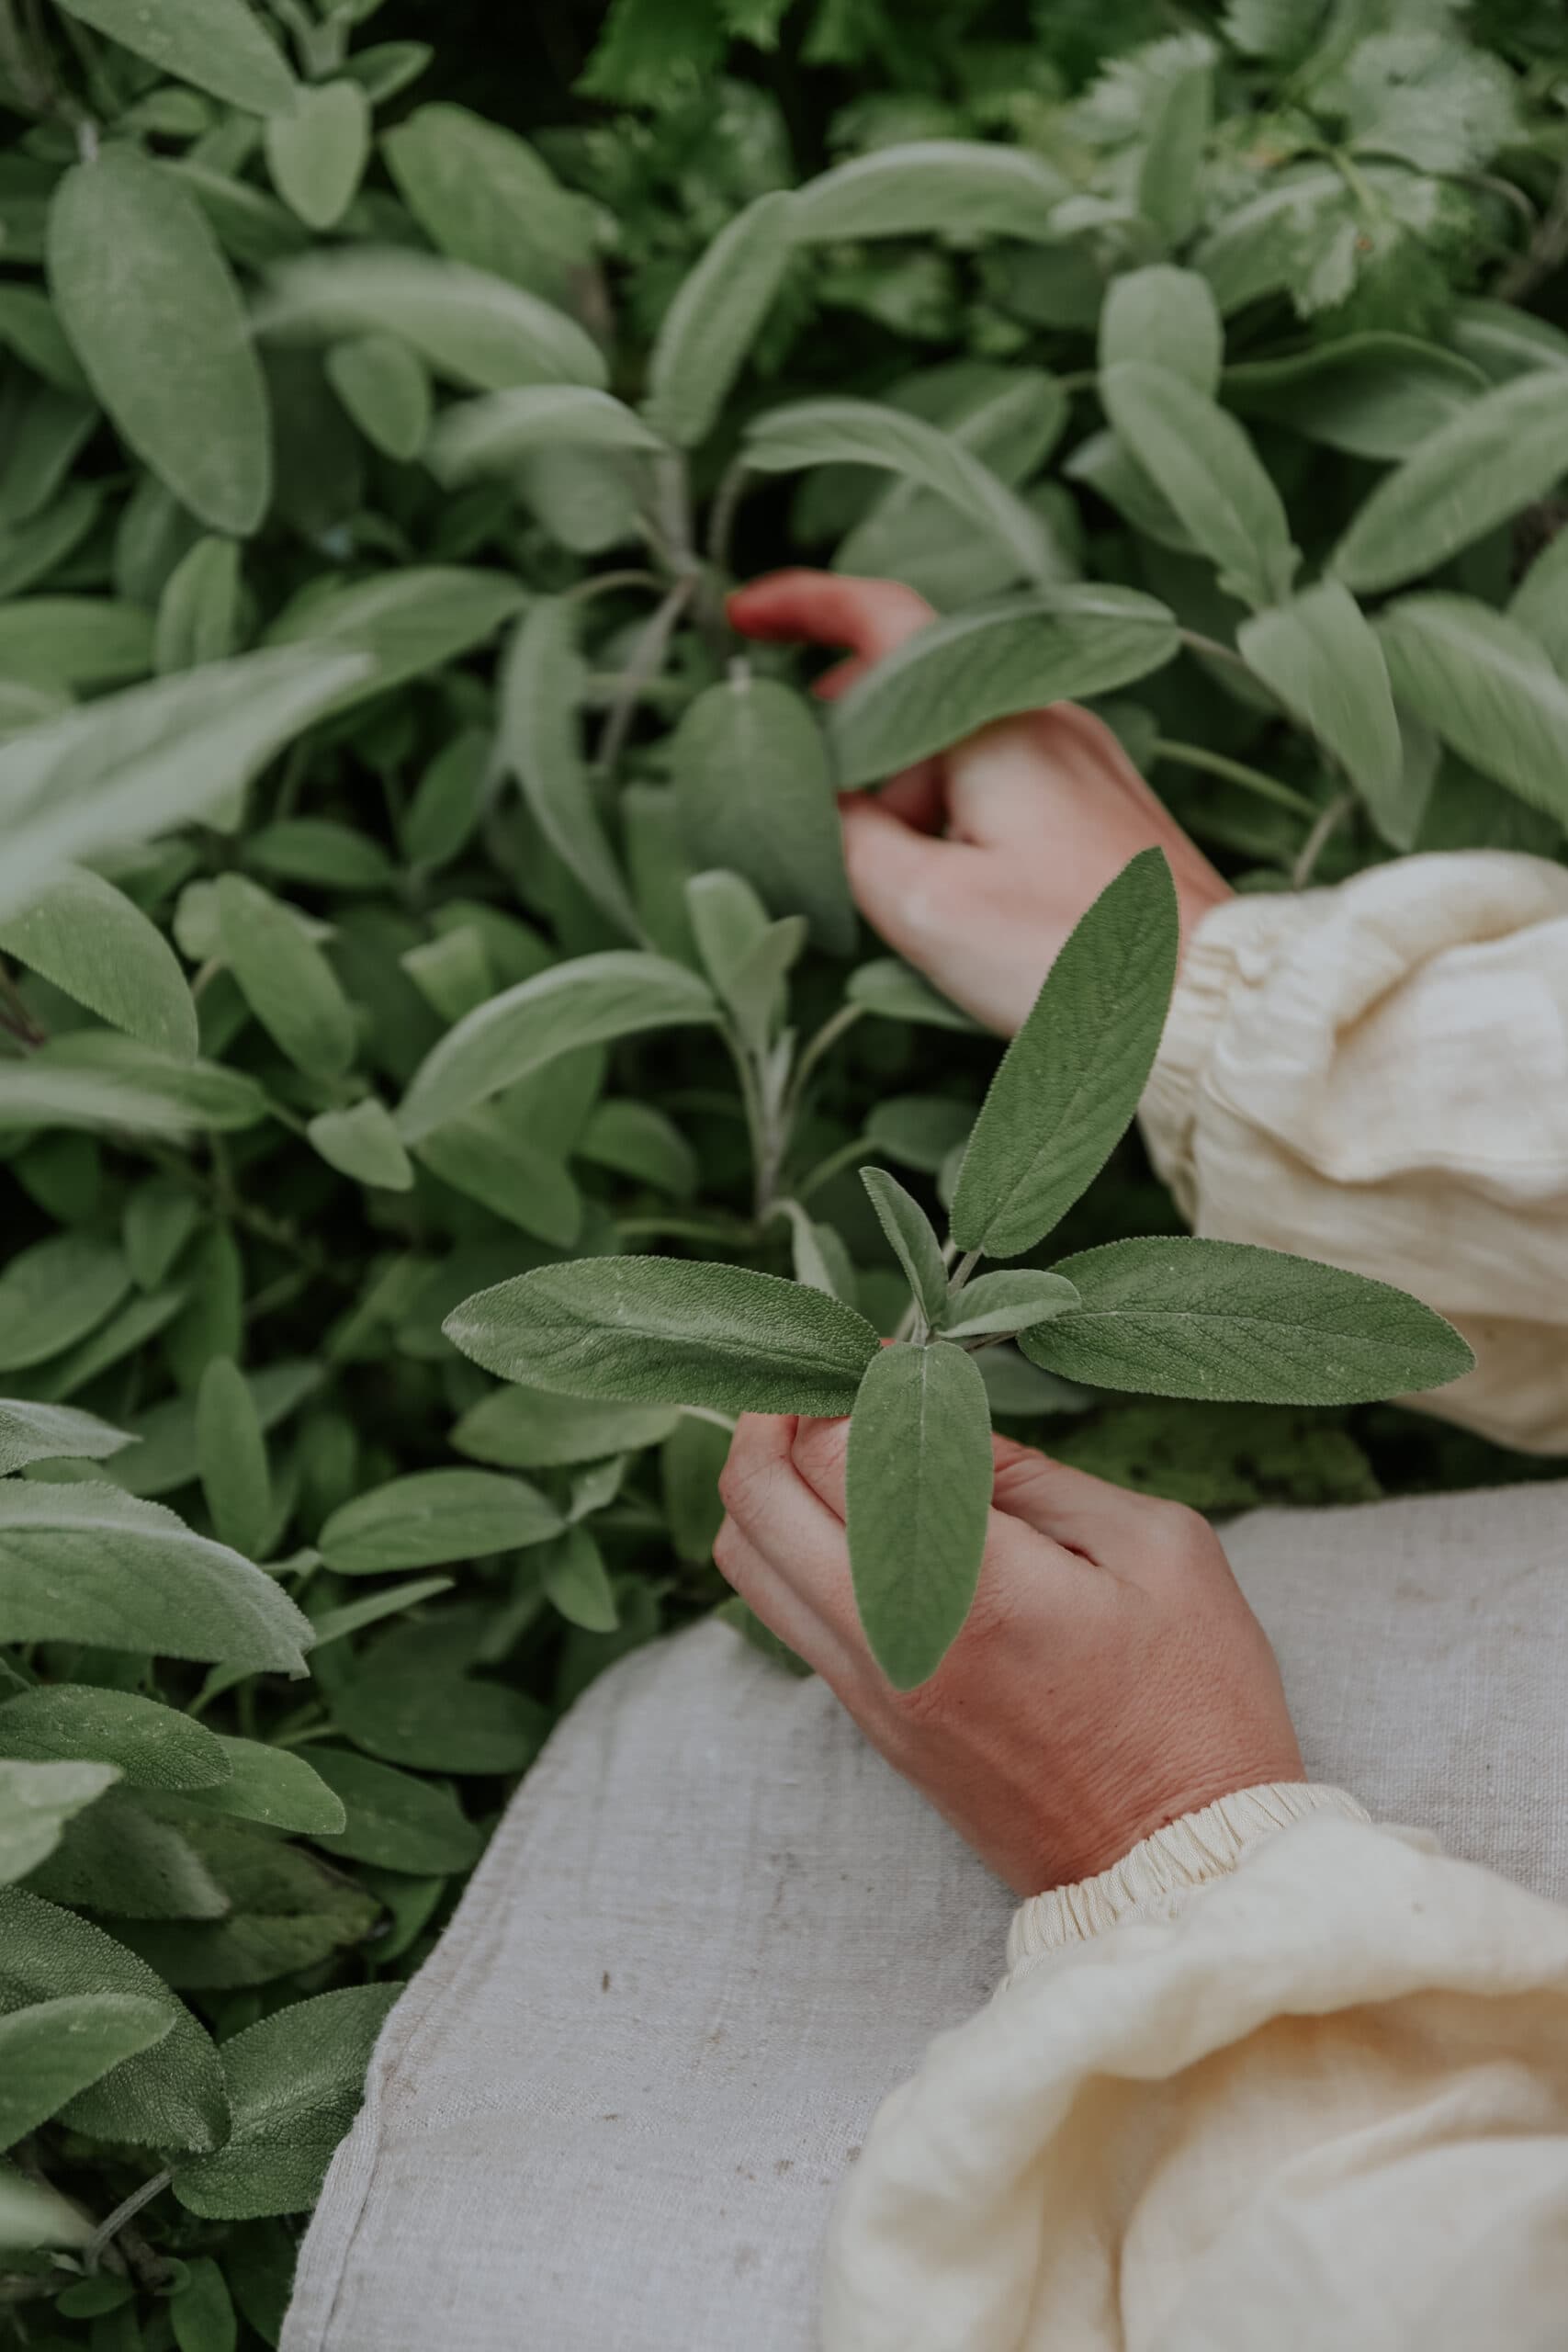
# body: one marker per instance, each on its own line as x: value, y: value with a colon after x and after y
x: 586, y: 1002
x: 914, y: 1244
x: 1220, y: 1319
x: 918, y: 1477
x: 1202, y: 461
x: 155, y: 318
x: 755, y: 787
x: 656, y: 1330
x: 1321, y: 656
x: 1070, y: 1081
x: 962, y: 671
x: 1487, y: 687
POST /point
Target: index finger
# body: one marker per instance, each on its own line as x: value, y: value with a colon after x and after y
x: 868, y: 617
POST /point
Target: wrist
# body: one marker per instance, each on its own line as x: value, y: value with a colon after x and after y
x: 1165, y: 1869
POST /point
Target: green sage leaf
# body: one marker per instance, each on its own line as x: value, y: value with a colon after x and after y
x: 961, y: 673
x: 1070, y: 1081
x: 1201, y: 460
x: 155, y: 318
x: 918, y: 1478
x: 715, y: 312
x: 434, y: 1516
x: 755, y: 787
x: 654, y: 1330
x: 1220, y: 1319
x: 1321, y: 656
x: 294, y: 2082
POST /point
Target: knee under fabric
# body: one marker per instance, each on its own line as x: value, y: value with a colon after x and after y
x: 714, y: 1930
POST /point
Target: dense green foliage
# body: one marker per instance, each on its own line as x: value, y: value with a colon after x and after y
x: 403, y: 884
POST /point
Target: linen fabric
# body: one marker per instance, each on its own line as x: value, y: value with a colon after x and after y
x: 1378, y: 1075
x: 615, y: 2110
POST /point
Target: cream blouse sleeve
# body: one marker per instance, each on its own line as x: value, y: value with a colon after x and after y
x: 1280, y: 2082
x: 1378, y: 1075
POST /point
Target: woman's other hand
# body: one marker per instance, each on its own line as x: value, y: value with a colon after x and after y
x: 1111, y: 1677
x: 975, y: 865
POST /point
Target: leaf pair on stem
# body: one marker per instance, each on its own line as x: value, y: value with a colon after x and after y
x: 1174, y: 1318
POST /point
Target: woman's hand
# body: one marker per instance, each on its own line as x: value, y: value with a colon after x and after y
x: 1111, y: 1677
x: 975, y: 866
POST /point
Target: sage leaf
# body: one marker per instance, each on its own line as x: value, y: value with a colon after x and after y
x: 530, y: 1428
x: 168, y: 2095
x: 75, y: 641
x: 913, y: 1243
x: 327, y: 855
x: 577, y: 1583
x: 494, y: 434
x: 1224, y: 1321
x: 713, y: 318
x: 918, y: 1480
x: 199, y: 611
x: 286, y: 980
x: 394, y: 1821
x: 1015, y: 655
x: 271, y: 1785
x: 117, y: 1857
x: 1169, y: 187
x: 899, y: 992
x: 54, y: 1293
x: 1539, y: 603
x: 90, y: 940
x: 689, y: 1464
x: 932, y: 187
x: 1376, y: 395
x: 86, y: 1562
x: 1070, y: 1081
x: 384, y: 388
x: 201, y: 2309
x: 435, y: 1723
x: 485, y: 196
x: 219, y: 45
x: 126, y: 768
x: 434, y: 1516
x: 1321, y: 656
x: 230, y: 1452
x: 408, y: 622
x: 155, y: 318
x: 1167, y: 315
x: 1484, y: 686
x: 919, y: 1130
x: 755, y: 787
x: 1500, y: 453
x: 30, y: 1432
x: 286, y: 1912
x: 1014, y: 1299
x: 639, y: 1140
x: 489, y: 1156
x: 52, y: 2049
x: 149, y: 1746
x: 94, y: 1078
x: 469, y: 327
x: 1201, y: 460
x: 294, y: 2082
x: 585, y: 1002
x: 864, y: 433
x: 317, y: 149
x: 362, y: 1142
x: 656, y: 1330
x: 541, y: 687
x: 37, y: 1801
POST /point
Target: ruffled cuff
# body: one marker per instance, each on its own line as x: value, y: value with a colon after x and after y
x: 1161, y: 1870
x: 1233, y: 949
